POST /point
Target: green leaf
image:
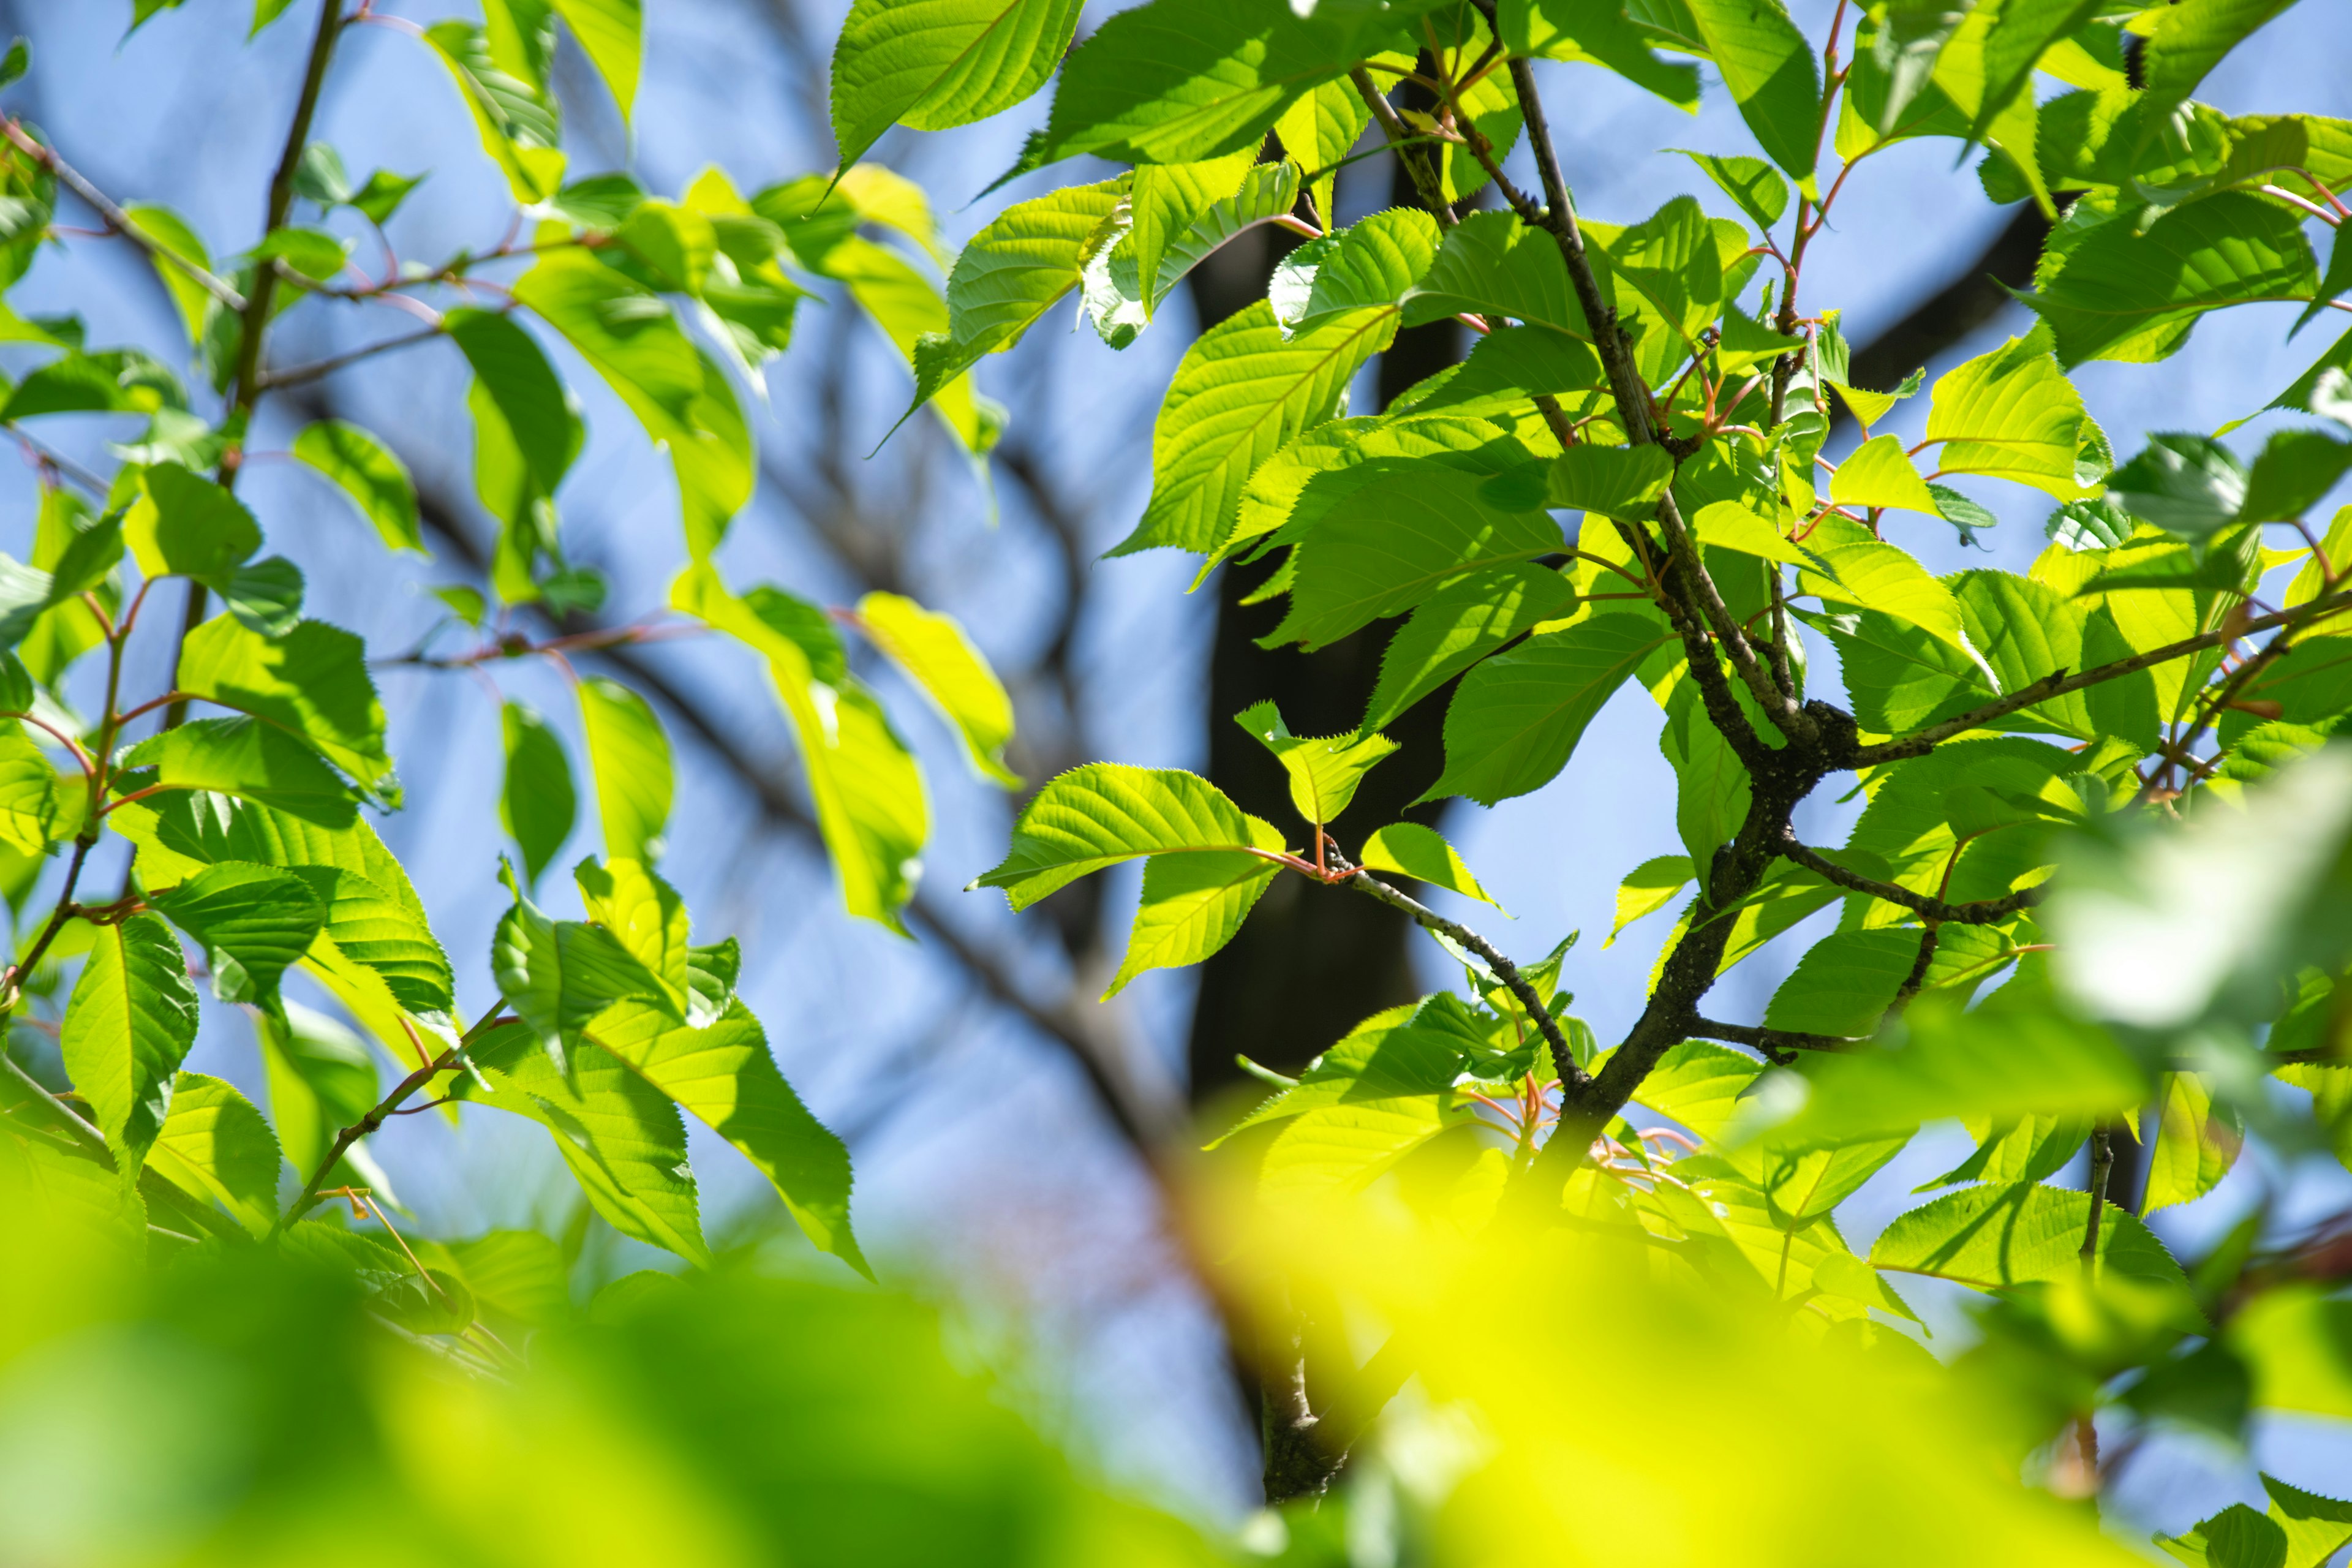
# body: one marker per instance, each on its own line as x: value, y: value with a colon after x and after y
x: 312, y: 684
x: 1988, y: 1238
x: 1493, y: 264
x: 1752, y: 182
x: 1367, y: 1102
x: 1323, y: 771
x: 1516, y: 718
x: 375, y: 923
x: 2237, y: 1537
x: 1647, y: 888
x: 370, y: 474
x: 646, y: 916
x: 1991, y: 53
x: 2028, y: 1148
x: 215, y: 1146
x: 1712, y: 789
x: 1374, y: 262
x: 513, y: 372
x: 1409, y: 849
x: 1193, y: 903
x: 2317, y: 1527
x: 1770, y: 72
x: 935, y: 66
x: 1730, y: 525
x: 130, y: 1025
x: 1399, y: 1052
x: 2010, y: 415
x: 381, y: 196
x: 870, y: 807
x: 560, y: 974
x: 2191, y: 38
x: 628, y: 757
x: 120, y: 380
x: 517, y: 121
x: 1097, y: 816
x: 2294, y: 471
x: 1843, y: 982
x: 1602, y: 34
x: 2196, y: 1144
x: 252, y: 921
x: 2010, y: 1059
x: 321, y: 1080
x: 517, y: 1274
x: 678, y: 392
x: 1399, y: 534
x: 2191, y: 486
x: 611, y: 34
x: 1459, y: 624
x: 1699, y: 1084
x: 1615, y: 481
x: 265, y: 596
x: 536, y: 804
x: 254, y: 761
x: 18, y: 59
x: 937, y: 655
x: 1878, y: 474
x: 2298, y: 1345
x: 1803, y: 1179
x: 2117, y: 288
x: 1176, y: 81
x: 1316, y: 131
x: 1242, y: 392
x: 171, y: 233
x: 1011, y: 274
x: 313, y: 253
x: 184, y: 525
x: 621, y: 1136
x: 1178, y: 215
x: 724, y: 1077
x: 1887, y: 581
x: 1293, y: 489
x: 34, y: 810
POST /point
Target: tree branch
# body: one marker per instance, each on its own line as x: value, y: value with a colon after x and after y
x: 1777, y: 1044
x: 1634, y: 411
x: 1399, y: 136
x: 295, y: 376
x: 1987, y: 912
x: 1563, y: 1059
x: 119, y: 221
x: 2059, y: 683
x: 365, y: 1125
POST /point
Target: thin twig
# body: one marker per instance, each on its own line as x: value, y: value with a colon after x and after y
x: 119, y: 221
x: 1571, y: 1071
x: 1988, y: 911
x: 297, y: 375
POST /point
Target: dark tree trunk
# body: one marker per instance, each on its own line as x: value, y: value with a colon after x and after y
x: 1310, y: 963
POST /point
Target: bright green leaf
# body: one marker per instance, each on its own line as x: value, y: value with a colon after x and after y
x: 1409, y: 849
x: 215, y: 1146
x: 129, y: 1026
x: 536, y: 804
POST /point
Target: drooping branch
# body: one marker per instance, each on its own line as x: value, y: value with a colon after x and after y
x: 1987, y: 912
